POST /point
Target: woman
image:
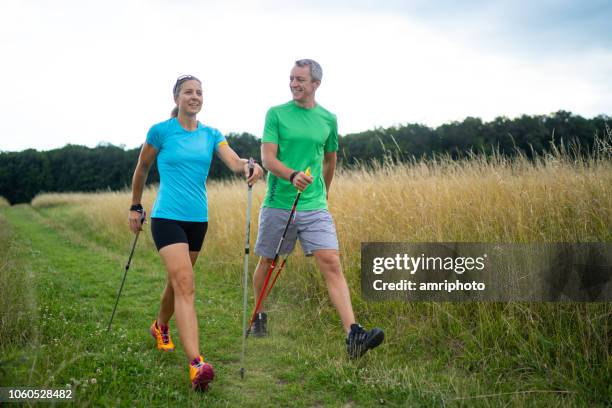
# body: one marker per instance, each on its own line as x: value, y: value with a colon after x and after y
x: 179, y: 219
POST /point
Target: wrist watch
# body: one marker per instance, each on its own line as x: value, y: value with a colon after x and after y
x: 137, y: 208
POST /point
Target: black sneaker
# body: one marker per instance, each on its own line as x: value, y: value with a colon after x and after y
x: 359, y: 340
x: 258, y: 328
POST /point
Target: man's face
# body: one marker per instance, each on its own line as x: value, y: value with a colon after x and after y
x: 302, y: 86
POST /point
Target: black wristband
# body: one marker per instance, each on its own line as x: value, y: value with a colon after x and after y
x: 137, y: 208
x: 292, y: 176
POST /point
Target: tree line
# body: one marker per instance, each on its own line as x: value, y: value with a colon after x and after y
x: 78, y: 168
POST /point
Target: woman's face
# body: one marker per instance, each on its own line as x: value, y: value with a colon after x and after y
x: 189, y: 100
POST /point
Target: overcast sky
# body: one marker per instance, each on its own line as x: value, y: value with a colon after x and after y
x: 86, y: 72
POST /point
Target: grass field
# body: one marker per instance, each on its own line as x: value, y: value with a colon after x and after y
x: 62, y: 260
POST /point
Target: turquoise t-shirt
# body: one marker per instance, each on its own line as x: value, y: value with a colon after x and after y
x: 303, y: 137
x: 183, y: 161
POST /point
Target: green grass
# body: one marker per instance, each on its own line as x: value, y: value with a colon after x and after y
x: 17, y: 300
x: 59, y: 281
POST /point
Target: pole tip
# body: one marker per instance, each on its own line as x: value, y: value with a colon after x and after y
x: 242, y: 372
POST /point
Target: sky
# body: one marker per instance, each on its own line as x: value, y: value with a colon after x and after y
x: 89, y: 72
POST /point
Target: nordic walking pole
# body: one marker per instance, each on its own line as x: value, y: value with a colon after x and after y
x: 127, y: 266
x: 263, y: 294
x: 280, y: 269
x: 246, y: 267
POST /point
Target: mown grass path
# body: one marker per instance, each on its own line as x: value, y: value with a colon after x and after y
x: 71, y: 275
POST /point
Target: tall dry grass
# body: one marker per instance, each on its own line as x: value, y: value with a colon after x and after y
x: 562, y: 196
x: 4, y: 202
x: 103, y: 213
x: 477, y: 200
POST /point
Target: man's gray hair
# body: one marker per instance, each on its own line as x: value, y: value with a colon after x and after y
x: 316, y: 72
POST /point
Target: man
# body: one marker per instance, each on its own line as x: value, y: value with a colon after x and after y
x: 297, y: 135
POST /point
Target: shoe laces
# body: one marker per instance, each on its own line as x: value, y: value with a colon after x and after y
x: 165, y: 333
x: 357, y: 334
x: 197, y: 363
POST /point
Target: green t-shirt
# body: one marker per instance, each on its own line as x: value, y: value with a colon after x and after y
x: 303, y: 136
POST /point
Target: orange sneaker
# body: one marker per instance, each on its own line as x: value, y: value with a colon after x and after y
x: 201, y: 374
x: 164, y: 342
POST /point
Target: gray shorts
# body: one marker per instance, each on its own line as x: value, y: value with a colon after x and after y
x: 315, y: 229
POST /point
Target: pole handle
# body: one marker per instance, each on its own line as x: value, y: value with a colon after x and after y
x: 307, y: 172
x: 251, y: 166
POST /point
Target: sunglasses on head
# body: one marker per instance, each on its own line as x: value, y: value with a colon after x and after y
x: 182, y: 79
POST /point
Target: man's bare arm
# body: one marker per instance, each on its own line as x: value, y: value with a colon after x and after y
x: 329, y: 167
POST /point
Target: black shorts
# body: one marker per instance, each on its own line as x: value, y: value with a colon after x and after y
x: 167, y: 232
